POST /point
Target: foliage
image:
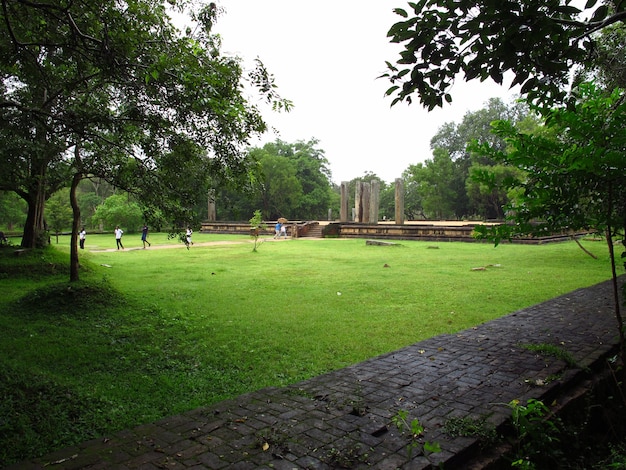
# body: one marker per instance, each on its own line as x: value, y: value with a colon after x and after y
x: 121, y: 210
x: 257, y: 225
x: 574, y: 176
x: 292, y: 180
x: 442, y: 187
x: 536, y: 434
x: 554, y: 351
x: 58, y: 211
x: 116, y: 91
x: 415, y: 431
x: 12, y: 210
x: 576, y: 180
x: 434, y: 183
x: 539, y: 42
x: 467, y: 426
x: 607, y: 60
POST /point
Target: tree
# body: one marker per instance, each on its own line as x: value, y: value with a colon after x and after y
x: 453, y: 138
x: 490, y: 198
x: 572, y: 178
x: 12, y: 210
x: 119, y: 209
x: 608, y: 64
x: 115, y: 90
x: 59, y: 213
x: 538, y: 42
x: 434, y: 184
x: 280, y: 188
x: 256, y: 225
x: 290, y: 180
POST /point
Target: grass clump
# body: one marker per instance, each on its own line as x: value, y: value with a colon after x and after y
x: 37, y: 414
x: 86, y: 297
x: 468, y: 426
x: 553, y: 351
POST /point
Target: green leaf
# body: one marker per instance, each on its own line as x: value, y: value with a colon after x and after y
x: 600, y: 14
x: 401, y: 12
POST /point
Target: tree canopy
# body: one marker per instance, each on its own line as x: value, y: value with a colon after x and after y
x: 292, y: 180
x: 538, y: 42
x: 571, y: 178
x: 116, y: 90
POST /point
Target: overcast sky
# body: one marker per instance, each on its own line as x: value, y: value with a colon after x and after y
x: 326, y: 56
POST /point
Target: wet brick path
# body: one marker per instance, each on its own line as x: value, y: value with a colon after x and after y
x: 345, y: 417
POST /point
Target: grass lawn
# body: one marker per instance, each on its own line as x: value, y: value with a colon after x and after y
x: 154, y: 332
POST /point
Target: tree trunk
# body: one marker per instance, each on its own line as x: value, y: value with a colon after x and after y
x: 616, y: 298
x: 74, y: 264
x: 34, y: 229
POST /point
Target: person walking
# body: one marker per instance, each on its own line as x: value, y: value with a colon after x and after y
x: 277, y: 229
x: 188, y: 234
x: 118, y: 237
x: 283, y: 230
x: 81, y: 238
x: 144, y: 236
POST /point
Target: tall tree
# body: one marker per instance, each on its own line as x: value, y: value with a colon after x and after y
x: 292, y: 180
x: 435, y: 184
x: 116, y: 91
x: 538, y: 42
x: 573, y: 178
x: 453, y: 138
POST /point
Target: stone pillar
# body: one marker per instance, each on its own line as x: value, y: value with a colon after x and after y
x: 374, y: 201
x: 343, y: 210
x: 399, y: 201
x: 211, y: 212
x: 358, y: 201
x: 366, y: 196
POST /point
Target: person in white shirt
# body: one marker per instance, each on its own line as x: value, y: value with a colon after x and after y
x: 188, y: 234
x: 82, y: 235
x: 118, y: 237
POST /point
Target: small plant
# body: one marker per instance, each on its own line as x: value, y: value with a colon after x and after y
x: 471, y: 427
x: 273, y: 439
x: 256, y: 223
x: 536, y: 435
x: 554, y: 351
x: 346, y: 458
x: 415, y: 431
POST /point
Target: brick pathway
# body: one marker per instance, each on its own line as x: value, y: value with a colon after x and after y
x: 344, y: 417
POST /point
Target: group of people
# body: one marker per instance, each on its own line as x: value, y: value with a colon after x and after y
x: 280, y: 230
x: 82, y: 236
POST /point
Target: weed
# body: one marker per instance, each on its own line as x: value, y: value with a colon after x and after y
x: 274, y: 439
x: 536, y: 435
x: 415, y: 431
x: 472, y: 427
x: 554, y: 351
x: 347, y: 457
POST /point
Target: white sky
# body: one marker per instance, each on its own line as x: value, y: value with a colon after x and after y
x: 326, y: 56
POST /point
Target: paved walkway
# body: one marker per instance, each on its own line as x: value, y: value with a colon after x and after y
x: 345, y: 417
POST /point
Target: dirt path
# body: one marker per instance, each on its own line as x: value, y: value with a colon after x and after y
x: 181, y: 245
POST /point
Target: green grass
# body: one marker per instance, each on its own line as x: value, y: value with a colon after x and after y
x: 150, y: 333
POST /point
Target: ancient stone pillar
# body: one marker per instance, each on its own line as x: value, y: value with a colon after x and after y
x: 358, y: 201
x: 399, y: 201
x: 365, y: 201
x: 343, y: 210
x: 211, y: 212
x: 374, y: 201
